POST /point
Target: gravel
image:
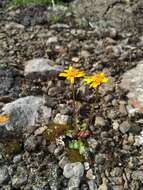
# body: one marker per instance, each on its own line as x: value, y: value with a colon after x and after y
x: 34, y: 48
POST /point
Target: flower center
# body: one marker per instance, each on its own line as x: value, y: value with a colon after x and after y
x: 72, y: 73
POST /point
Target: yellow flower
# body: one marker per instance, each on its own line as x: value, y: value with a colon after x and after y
x: 71, y: 73
x: 4, y: 118
x: 95, y: 79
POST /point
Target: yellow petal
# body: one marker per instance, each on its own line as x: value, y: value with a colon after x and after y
x: 88, y: 79
x: 63, y: 74
x: 80, y: 74
x: 105, y: 79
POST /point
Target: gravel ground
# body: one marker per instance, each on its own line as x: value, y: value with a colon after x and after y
x: 30, y: 161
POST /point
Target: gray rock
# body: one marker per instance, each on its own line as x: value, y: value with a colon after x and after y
x: 132, y: 81
x: 73, y: 183
x: 124, y: 127
x: 25, y: 112
x: 41, y: 66
x: 4, y: 176
x: 20, y: 178
x: 73, y: 169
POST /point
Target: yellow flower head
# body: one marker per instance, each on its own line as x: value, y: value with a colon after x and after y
x: 96, y: 79
x: 71, y: 73
x: 4, y: 118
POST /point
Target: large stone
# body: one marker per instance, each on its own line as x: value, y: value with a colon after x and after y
x: 25, y: 112
x: 132, y: 81
x: 73, y: 170
x: 41, y: 66
x: 125, y: 15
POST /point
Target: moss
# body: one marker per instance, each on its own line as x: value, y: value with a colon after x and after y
x: 74, y: 156
x: 54, y: 131
x: 12, y: 147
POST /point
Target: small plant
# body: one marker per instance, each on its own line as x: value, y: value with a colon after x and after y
x: 77, y: 145
x: 71, y: 74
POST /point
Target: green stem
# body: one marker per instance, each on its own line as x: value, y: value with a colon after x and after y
x: 74, y: 106
x: 91, y: 112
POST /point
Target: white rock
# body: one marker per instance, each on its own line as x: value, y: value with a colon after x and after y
x: 61, y: 119
x: 53, y: 39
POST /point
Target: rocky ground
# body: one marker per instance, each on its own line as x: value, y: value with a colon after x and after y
x: 35, y: 45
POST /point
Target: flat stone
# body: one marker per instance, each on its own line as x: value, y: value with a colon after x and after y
x: 25, y: 112
x: 41, y: 66
x: 132, y: 81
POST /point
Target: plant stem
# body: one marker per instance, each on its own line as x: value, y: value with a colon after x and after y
x: 91, y: 112
x: 74, y: 106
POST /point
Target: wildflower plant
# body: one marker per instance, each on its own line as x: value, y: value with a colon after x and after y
x: 94, y: 81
